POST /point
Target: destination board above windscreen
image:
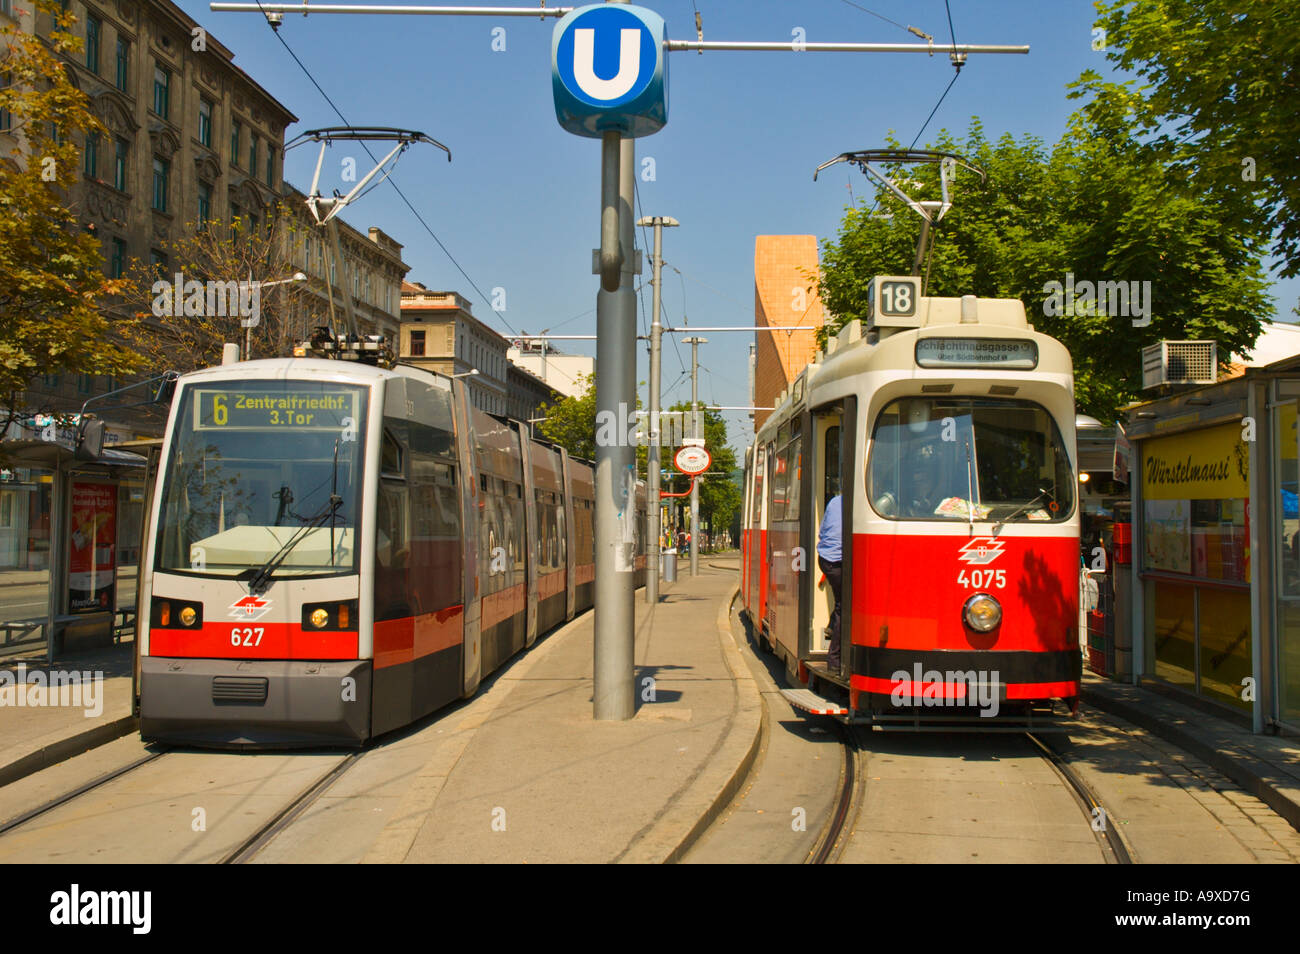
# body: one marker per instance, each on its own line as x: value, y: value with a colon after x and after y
x: 275, y: 409
x: 977, y: 353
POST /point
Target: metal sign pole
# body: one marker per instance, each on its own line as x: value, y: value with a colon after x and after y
x: 614, y: 619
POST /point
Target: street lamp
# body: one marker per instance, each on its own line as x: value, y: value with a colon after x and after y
x: 252, y: 321
x: 660, y: 222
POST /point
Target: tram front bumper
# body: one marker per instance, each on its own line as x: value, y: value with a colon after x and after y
x: 231, y: 703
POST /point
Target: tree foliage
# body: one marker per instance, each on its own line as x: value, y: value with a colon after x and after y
x: 1099, y: 206
x: 51, y: 271
x: 571, y: 423
x: 1221, y: 104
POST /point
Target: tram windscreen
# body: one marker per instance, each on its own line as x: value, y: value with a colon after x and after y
x: 254, y: 464
x: 964, y: 458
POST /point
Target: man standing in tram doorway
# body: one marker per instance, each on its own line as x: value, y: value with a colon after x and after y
x: 830, y: 559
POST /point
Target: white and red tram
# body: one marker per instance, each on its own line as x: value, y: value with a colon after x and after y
x: 338, y: 549
x: 948, y: 427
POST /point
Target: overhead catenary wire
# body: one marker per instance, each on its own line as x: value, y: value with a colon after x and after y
x: 419, y: 218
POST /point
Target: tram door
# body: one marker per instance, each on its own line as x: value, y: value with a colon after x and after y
x: 830, y: 474
x: 824, y: 481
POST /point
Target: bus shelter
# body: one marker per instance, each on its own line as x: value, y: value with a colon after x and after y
x: 1215, y: 609
x: 81, y: 506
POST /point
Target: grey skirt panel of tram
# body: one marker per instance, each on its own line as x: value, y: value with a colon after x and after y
x: 226, y: 703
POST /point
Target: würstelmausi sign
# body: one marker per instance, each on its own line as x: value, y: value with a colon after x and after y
x: 1164, y: 472
x: 1209, y: 464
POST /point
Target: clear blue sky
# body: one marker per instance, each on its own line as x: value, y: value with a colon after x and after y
x: 518, y: 207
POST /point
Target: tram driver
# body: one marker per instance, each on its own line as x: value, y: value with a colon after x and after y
x: 920, y: 496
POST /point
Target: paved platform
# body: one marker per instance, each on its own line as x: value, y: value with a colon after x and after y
x: 1266, y: 766
x: 40, y: 726
x: 532, y: 778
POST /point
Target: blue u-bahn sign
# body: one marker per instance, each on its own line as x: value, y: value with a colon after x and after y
x: 609, y: 70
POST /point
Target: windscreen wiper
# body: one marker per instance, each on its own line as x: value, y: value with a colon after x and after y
x: 259, y: 581
x: 1019, y: 510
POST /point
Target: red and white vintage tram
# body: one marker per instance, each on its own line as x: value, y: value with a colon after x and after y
x: 947, y: 427
x: 338, y: 549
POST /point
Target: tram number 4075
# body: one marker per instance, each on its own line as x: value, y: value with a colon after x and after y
x: 977, y: 579
x: 247, y: 636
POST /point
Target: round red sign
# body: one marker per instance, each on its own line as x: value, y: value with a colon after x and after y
x: 692, y: 460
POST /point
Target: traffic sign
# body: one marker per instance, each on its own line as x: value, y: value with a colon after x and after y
x: 609, y: 71
x: 692, y: 460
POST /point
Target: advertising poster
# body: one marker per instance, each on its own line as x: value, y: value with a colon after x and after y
x: 1168, y: 535
x: 91, y: 556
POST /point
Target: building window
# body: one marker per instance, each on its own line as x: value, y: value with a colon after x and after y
x: 235, y: 130
x: 205, y: 203
x: 123, y: 56
x: 90, y: 158
x: 205, y: 122
x: 119, y: 164
x: 6, y: 7
x: 162, y: 81
x: 161, y: 173
x: 93, y: 29
x: 117, y: 262
x: 85, y: 383
x: 235, y: 214
x: 252, y: 155
x: 417, y: 344
x: 270, y: 165
x: 158, y: 262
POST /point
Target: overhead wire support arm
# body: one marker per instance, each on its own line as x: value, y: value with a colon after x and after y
x: 700, y: 45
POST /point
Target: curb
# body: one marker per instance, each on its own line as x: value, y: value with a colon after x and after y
x: 739, y: 749
x: 1241, y: 769
x: 65, y: 749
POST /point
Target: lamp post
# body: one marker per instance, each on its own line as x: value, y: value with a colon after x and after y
x: 660, y: 222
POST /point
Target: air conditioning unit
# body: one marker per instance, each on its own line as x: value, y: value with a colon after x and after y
x: 1180, y: 362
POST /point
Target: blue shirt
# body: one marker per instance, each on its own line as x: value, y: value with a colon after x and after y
x: 828, y: 539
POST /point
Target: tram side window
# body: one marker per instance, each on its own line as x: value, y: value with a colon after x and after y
x: 794, y: 470
x: 831, y: 456
x: 776, y: 504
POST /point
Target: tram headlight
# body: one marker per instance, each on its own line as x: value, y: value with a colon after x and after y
x: 319, y: 617
x: 188, y: 616
x: 982, y: 613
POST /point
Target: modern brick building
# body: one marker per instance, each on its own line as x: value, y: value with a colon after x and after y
x: 785, y: 294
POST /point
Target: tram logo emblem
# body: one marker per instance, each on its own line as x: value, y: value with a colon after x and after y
x: 980, y: 551
x: 249, y: 607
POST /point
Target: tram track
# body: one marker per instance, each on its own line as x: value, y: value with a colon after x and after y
x: 247, y: 847
x: 80, y: 790
x: 831, y: 839
x: 1112, y: 844
x: 286, y: 816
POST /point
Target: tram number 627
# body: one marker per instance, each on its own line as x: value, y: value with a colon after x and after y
x: 248, y: 636
x: 982, y: 578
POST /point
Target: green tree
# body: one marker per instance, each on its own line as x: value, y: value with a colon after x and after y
x: 51, y: 271
x: 719, y: 495
x: 1099, y: 207
x: 571, y: 421
x: 1221, y: 104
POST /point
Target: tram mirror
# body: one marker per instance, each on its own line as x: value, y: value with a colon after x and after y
x: 918, y: 416
x: 165, y: 391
